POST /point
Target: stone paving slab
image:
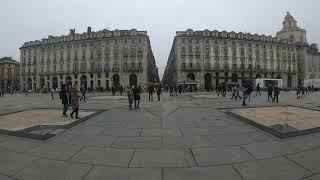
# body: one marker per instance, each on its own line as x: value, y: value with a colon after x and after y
x: 55, y: 151
x: 179, y: 124
x: 162, y: 158
x: 201, y: 173
x: 221, y: 155
x: 4, y: 177
x: 83, y: 140
x: 114, y: 173
x: 104, y: 156
x: 12, y: 162
x: 19, y: 144
x: 216, y: 130
x: 315, y: 177
x: 122, y: 131
x: 188, y: 142
x: 304, y: 142
x: 275, y: 169
x: 161, y: 132
x: 308, y: 159
x: 137, y: 142
x: 44, y: 169
x: 144, y: 123
x: 269, y: 149
x: 86, y: 130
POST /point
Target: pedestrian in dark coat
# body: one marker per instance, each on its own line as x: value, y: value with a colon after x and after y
x: 121, y: 90
x: 270, y: 90
x: 64, y: 99
x: 258, y: 90
x: 136, y: 96
x: 83, y: 90
x: 245, y: 95
x: 74, y: 101
x: 276, y: 94
x: 159, y: 92
x: 130, y: 97
x: 150, y: 90
x: 113, y: 89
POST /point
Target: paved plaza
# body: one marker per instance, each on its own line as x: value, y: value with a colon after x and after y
x: 179, y: 138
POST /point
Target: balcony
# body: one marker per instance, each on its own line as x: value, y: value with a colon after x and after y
x: 99, y: 70
x: 191, y: 68
x: 115, y: 69
x: 83, y: 71
x: 208, y: 68
x: 132, y: 68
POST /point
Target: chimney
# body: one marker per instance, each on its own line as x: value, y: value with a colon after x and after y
x: 89, y: 30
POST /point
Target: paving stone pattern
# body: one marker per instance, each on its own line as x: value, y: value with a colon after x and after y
x: 179, y: 138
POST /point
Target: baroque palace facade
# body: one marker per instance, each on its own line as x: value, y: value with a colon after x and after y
x: 96, y: 59
x: 213, y: 57
x: 9, y: 74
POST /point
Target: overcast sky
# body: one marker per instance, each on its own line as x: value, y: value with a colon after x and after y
x: 28, y: 20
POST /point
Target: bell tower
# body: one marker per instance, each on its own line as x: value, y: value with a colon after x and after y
x: 291, y: 31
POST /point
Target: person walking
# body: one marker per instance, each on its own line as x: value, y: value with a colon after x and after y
x: 113, y: 89
x: 298, y: 91
x: 130, y: 97
x: 258, y: 89
x: 233, y: 91
x: 245, y: 95
x: 121, y: 90
x: 175, y: 90
x: 74, y: 101
x: 136, y: 96
x: 276, y: 94
x: 64, y: 100
x: 52, y: 93
x: 270, y: 91
x: 150, y: 90
x: 249, y: 91
x: 83, y: 91
x: 159, y: 91
x: 238, y: 92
